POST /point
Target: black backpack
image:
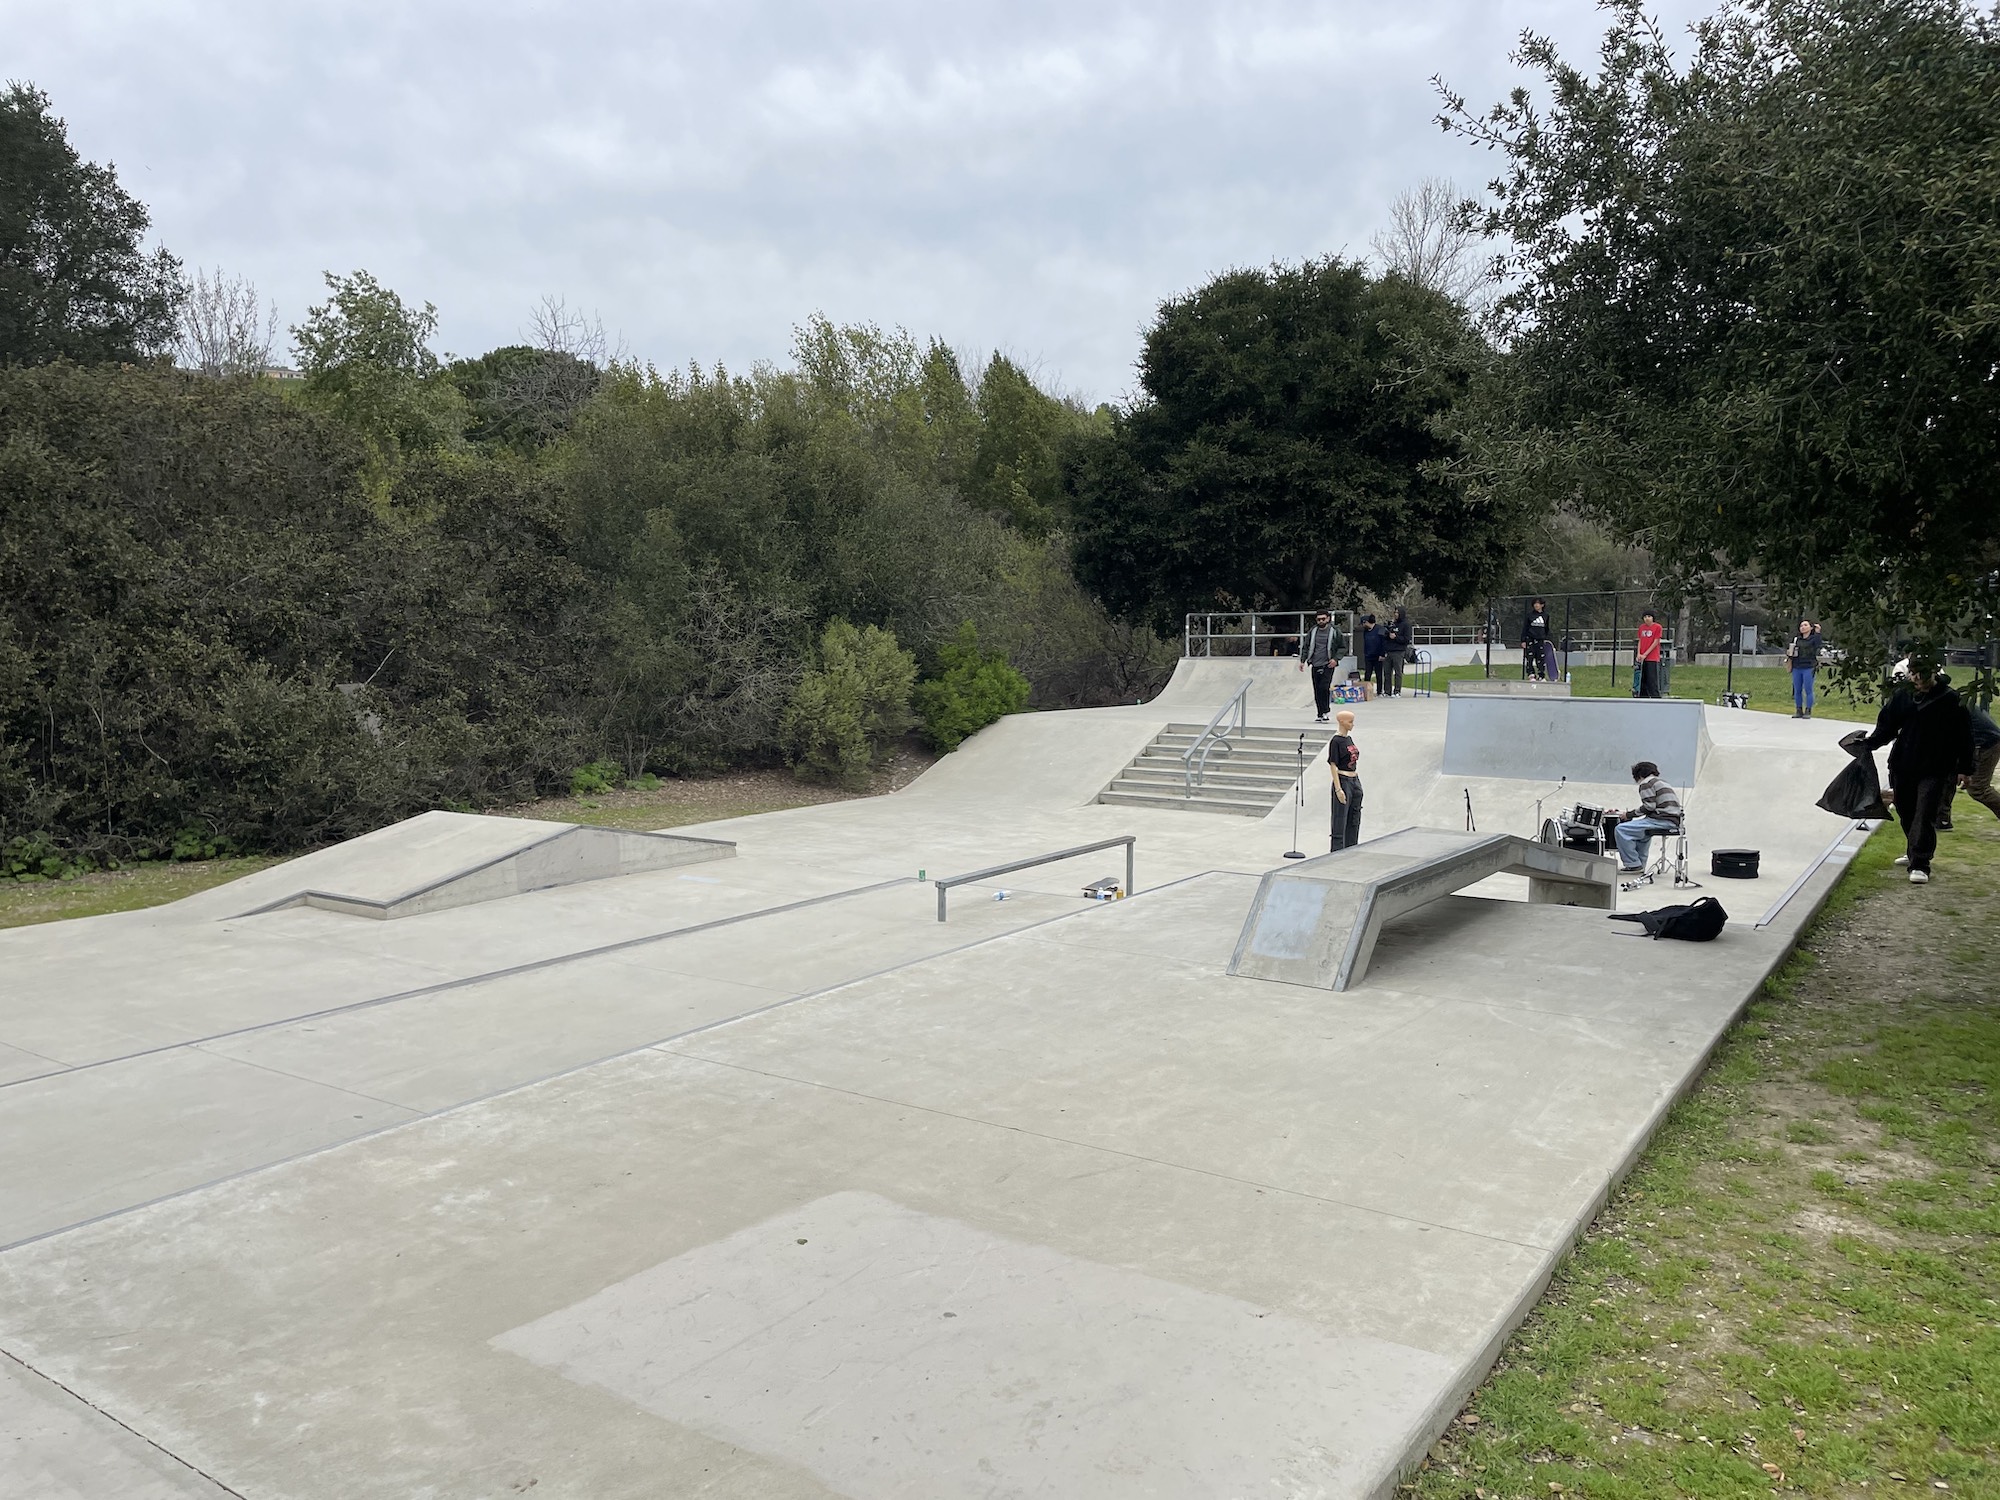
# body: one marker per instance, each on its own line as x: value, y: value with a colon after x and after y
x: 1698, y: 922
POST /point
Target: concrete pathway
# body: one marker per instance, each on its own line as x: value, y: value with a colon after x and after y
x: 752, y: 1179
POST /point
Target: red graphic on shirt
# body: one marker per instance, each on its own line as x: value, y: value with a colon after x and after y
x: 1649, y: 640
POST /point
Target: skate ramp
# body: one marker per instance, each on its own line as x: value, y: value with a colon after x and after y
x: 439, y: 860
x: 1210, y: 682
x: 1584, y: 739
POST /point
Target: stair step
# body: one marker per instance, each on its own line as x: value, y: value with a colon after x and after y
x: 1184, y: 804
x: 1173, y: 774
x: 1259, y: 796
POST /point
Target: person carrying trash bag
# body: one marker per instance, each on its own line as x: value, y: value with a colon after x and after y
x: 1930, y: 738
x: 1856, y: 792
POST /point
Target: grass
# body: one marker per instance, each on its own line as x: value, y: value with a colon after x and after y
x: 1770, y: 689
x: 1798, y: 1289
x: 24, y: 902
x: 670, y: 804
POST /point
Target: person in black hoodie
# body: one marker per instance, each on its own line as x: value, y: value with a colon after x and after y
x: 1930, y: 738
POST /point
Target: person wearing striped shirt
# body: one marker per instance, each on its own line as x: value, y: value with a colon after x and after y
x: 1659, y: 811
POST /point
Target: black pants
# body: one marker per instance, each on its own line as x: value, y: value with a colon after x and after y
x: 1322, y: 689
x: 1347, y: 816
x: 1372, y: 673
x: 1649, y: 679
x: 1919, y: 805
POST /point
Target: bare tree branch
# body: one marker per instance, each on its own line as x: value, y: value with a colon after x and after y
x: 224, y: 329
x: 1430, y: 240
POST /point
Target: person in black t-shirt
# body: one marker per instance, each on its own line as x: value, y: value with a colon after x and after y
x: 1343, y: 758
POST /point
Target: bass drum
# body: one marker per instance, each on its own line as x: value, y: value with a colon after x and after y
x: 1552, y: 831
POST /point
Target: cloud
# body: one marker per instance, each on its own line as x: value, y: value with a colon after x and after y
x: 1034, y: 177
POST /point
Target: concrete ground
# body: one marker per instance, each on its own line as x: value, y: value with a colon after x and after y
x: 752, y: 1179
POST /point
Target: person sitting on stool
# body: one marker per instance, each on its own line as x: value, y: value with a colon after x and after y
x: 1659, y: 811
x: 1343, y: 758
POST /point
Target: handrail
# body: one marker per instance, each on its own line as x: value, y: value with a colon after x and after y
x: 1211, y: 737
x: 1128, y: 840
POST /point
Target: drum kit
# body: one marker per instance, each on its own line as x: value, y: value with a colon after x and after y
x: 1583, y: 828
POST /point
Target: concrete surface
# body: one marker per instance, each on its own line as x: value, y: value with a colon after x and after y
x: 1586, y: 739
x: 1317, y: 921
x: 306, y: 1206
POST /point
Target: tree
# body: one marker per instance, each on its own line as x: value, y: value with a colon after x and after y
x: 1430, y: 241
x: 1756, y: 310
x: 367, y: 362
x: 223, y: 328
x: 1282, y: 454
x: 74, y: 282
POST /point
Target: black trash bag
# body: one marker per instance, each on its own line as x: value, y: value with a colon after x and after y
x: 1857, y: 791
x: 1699, y: 921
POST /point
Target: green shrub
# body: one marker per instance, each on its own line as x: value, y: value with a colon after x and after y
x: 852, y: 702
x: 974, y: 689
x: 35, y: 857
x: 598, y: 776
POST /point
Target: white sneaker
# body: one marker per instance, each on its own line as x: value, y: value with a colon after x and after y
x: 1902, y: 861
x: 1920, y: 877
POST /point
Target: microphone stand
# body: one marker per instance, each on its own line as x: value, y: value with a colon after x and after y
x: 1298, y: 801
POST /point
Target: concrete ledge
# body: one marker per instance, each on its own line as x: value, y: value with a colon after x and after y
x: 1507, y: 687
x: 1316, y: 923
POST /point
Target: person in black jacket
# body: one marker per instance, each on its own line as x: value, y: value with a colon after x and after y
x: 1930, y: 738
x: 1536, y: 652
x: 1397, y: 637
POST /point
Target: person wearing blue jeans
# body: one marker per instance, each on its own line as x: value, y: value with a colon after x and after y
x: 1803, y: 653
x: 1659, y: 812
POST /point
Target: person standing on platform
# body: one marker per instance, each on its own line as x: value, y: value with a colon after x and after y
x: 1803, y: 654
x: 1930, y: 737
x: 1647, y: 654
x: 1321, y: 655
x: 1371, y: 652
x: 1536, y: 653
x: 1343, y: 758
x: 1396, y: 640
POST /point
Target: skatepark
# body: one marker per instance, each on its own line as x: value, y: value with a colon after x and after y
x: 481, y: 1157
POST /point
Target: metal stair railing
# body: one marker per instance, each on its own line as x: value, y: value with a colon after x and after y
x: 1194, y: 760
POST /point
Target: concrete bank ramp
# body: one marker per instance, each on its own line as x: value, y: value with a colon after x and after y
x: 438, y: 860
x: 1209, y: 682
x: 1316, y: 923
x: 1584, y: 739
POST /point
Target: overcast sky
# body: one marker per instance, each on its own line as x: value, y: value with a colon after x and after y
x: 1033, y: 177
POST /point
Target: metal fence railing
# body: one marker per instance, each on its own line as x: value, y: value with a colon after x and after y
x: 1262, y: 632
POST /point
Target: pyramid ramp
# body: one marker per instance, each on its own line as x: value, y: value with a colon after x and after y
x: 439, y: 860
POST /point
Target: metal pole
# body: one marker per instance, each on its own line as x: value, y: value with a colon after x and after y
x: 1489, y: 643
x: 941, y: 893
x: 1568, y: 601
x: 1128, y: 868
x: 1614, y: 643
x: 1729, y: 676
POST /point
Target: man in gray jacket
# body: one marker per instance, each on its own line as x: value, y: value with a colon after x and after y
x: 1322, y: 654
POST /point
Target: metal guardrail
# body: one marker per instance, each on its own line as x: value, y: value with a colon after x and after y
x: 1127, y: 839
x: 1281, y: 632
x: 1195, y: 773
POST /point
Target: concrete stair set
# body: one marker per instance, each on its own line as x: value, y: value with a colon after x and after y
x: 1252, y: 775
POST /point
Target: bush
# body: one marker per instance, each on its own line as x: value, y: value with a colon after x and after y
x: 598, y: 776
x: 974, y: 689
x: 849, y: 705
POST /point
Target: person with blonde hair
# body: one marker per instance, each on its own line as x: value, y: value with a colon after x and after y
x: 1343, y: 758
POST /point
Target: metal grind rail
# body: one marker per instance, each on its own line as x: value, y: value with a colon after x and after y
x: 945, y: 885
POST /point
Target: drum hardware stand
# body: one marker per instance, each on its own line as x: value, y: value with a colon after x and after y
x: 1540, y: 826
x: 1470, y: 826
x: 1298, y: 801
